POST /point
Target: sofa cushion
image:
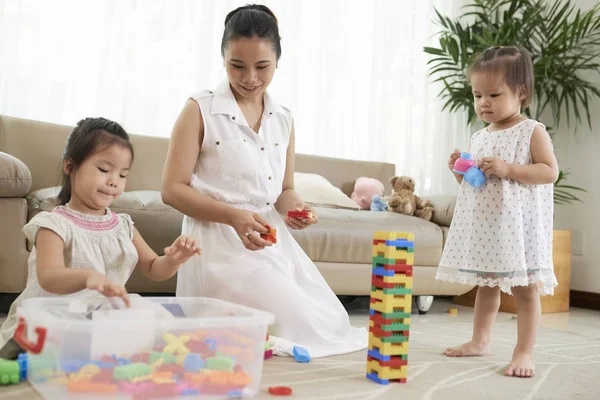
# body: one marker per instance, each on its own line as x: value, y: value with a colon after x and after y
x: 341, y: 236
x: 15, y: 177
x: 345, y: 236
x: 316, y: 190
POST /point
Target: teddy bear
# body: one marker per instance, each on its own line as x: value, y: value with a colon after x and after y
x: 404, y: 201
x: 364, y: 190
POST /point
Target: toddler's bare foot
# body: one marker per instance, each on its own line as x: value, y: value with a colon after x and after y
x: 521, y: 365
x: 469, y: 349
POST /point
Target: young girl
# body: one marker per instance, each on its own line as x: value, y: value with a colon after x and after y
x: 230, y: 170
x: 81, y: 246
x: 501, y: 234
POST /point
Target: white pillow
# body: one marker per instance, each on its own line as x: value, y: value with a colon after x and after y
x: 315, y: 190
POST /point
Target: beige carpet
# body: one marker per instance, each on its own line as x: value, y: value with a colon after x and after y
x: 568, y: 364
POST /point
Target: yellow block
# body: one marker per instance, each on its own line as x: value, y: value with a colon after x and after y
x: 391, y: 301
x: 388, y: 349
x: 387, y: 372
x: 381, y: 250
x: 393, y: 236
x: 388, y: 308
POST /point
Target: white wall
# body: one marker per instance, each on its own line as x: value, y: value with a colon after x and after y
x: 578, y: 150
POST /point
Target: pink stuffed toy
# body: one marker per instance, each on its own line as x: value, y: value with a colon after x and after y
x: 364, y: 189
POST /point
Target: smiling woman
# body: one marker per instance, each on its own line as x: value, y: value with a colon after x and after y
x: 230, y: 170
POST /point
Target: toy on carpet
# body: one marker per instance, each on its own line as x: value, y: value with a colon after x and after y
x: 364, y: 190
x: 467, y: 167
x: 391, y: 302
x: 280, y: 390
x: 404, y: 201
x: 301, y: 354
x: 453, y: 311
x: 13, y: 372
x: 271, y: 236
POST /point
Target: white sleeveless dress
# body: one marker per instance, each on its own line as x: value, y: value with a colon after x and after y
x: 501, y: 233
x: 244, y: 169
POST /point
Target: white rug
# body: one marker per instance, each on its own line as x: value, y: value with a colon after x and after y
x: 568, y: 364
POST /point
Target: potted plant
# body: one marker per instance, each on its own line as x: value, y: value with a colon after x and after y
x: 564, y: 43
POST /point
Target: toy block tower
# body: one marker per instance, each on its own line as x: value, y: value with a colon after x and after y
x: 391, y: 300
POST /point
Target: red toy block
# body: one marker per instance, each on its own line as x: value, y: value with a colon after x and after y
x: 300, y: 214
x: 395, y: 362
x: 268, y: 354
x: 271, y: 236
x: 280, y: 390
x: 381, y: 333
x: 379, y: 320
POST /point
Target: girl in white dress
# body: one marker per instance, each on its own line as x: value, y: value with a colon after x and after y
x: 81, y: 247
x: 501, y: 234
x: 230, y: 170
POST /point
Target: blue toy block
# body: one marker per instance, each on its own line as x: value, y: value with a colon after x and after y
x: 377, y: 355
x: 190, y: 392
x: 193, y: 362
x: 301, y: 354
x: 121, y: 360
x: 71, y: 366
x: 103, y: 365
x: 22, y: 361
x: 373, y: 376
x: 235, y: 394
x: 380, y: 271
x: 400, y: 243
x: 212, y: 344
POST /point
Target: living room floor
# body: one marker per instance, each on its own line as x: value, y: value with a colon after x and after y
x: 567, y: 360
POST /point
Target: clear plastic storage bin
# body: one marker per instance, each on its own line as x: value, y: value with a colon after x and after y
x: 161, y: 347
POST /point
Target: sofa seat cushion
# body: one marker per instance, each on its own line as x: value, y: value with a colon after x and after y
x: 346, y: 236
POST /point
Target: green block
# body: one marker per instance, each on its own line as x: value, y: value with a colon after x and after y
x: 396, y: 326
x: 220, y: 363
x: 395, y: 338
x: 166, y: 357
x: 395, y: 315
x: 383, y: 260
x: 130, y: 371
x: 9, y: 372
x: 396, y: 290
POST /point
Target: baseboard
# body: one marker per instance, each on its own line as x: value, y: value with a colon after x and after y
x: 585, y: 300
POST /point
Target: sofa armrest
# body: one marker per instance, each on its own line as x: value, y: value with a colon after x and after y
x: 15, y: 177
x: 443, y: 208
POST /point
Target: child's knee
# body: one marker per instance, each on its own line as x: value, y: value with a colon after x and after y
x: 526, y: 293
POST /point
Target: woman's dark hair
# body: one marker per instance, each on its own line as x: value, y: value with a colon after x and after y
x: 88, y: 137
x: 513, y: 63
x: 249, y: 21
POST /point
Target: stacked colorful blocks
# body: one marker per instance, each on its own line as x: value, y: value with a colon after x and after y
x: 391, y: 300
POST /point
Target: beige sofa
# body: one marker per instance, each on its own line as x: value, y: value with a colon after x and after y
x: 340, y: 244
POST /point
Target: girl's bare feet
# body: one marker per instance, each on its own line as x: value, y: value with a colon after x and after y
x: 521, y: 365
x: 469, y: 349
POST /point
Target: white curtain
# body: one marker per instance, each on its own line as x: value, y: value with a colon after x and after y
x: 352, y: 71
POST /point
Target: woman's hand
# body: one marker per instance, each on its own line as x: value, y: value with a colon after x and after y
x: 249, y: 225
x: 301, y: 223
x: 97, y: 281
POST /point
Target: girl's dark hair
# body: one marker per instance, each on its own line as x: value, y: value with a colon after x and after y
x: 513, y: 63
x: 249, y: 21
x: 88, y: 137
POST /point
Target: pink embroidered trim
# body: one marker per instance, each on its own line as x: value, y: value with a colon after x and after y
x: 112, y: 222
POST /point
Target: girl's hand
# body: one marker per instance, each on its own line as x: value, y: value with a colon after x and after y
x: 249, y: 225
x: 453, y: 157
x: 97, y: 281
x: 494, y: 166
x: 182, y: 249
x: 297, y: 223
